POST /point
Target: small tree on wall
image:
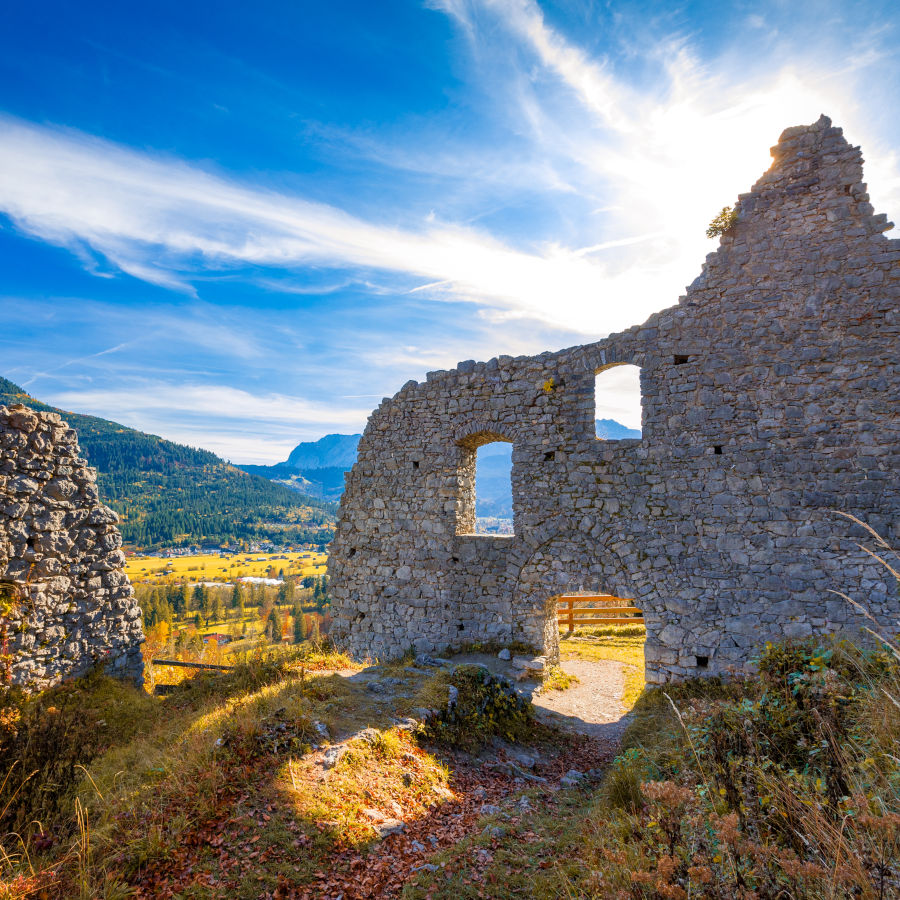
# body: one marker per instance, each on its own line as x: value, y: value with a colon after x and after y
x: 723, y: 222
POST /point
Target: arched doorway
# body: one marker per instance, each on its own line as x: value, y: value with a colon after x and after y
x: 564, y: 578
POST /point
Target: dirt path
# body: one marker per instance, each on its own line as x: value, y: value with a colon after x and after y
x: 592, y: 706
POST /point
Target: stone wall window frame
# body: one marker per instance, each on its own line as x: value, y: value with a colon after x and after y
x: 596, y: 406
x: 466, y: 496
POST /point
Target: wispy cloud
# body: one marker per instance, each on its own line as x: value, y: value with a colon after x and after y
x: 235, y: 423
x: 163, y: 221
x: 667, y: 158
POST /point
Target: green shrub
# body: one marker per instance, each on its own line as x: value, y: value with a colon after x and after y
x: 723, y: 222
x: 487, y: 705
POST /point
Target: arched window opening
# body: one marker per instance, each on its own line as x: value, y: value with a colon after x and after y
x: 485, y: 485
x: 617, y: 403
x: 493, y: 489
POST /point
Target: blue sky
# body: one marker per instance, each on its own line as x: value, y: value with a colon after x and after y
x: 240, y: 225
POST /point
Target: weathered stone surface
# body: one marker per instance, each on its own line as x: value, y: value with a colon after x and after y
x: 770, y: 399
x: 60, y: 562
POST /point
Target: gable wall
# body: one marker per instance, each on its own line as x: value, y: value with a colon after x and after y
x: 791, y: 335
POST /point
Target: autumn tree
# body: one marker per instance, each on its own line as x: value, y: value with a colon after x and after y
x: 300, y: 630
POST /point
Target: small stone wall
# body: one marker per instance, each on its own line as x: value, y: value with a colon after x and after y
x: 770, y: 399
x: 68, y: 604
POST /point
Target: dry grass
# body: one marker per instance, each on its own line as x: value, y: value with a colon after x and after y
x: 383, y: 776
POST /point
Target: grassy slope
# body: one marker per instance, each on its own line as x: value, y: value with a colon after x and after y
x: 167, y: 493
x: 784, y: 787
x: 216, y: 791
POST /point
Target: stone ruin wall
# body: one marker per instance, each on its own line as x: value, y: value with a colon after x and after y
x: 61, y: 566
x: 770, y: 399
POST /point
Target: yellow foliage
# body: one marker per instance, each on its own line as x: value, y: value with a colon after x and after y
x: 213, y: 567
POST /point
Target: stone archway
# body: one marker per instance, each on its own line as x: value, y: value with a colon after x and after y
x: 567, y: 562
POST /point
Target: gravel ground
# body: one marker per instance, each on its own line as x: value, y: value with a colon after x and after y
x: 591, y: 707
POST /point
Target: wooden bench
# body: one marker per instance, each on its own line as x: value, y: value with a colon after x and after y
x: 596, y: 609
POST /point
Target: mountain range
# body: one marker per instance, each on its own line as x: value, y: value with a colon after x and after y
x: 315, y: 468
x: 168, y: 494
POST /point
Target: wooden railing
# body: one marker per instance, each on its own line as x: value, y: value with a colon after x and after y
x: 190, y: 665
x: 596, y: 609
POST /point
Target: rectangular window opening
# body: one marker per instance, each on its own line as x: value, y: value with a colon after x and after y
x: 618, y: 403
x: 681, y: 359
x: 717, y: 449
x: 702, y: 662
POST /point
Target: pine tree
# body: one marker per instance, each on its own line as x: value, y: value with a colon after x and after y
x: 173, y: 597
x: 273, y: 625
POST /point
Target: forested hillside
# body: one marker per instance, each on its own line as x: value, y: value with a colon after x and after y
x: 168, y: 494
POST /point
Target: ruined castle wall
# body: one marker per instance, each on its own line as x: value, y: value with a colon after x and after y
x: 770, y: 399
x: 67, y: 603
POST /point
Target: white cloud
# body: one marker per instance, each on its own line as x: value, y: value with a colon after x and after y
x: 155, y: 218
x: 233, y: 423
x: 664, y: 165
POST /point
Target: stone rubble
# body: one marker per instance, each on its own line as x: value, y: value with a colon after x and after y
x: 61, y: 563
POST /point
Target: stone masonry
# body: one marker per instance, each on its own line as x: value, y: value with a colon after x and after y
x: 771, y: 398
x: 67, y: 601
